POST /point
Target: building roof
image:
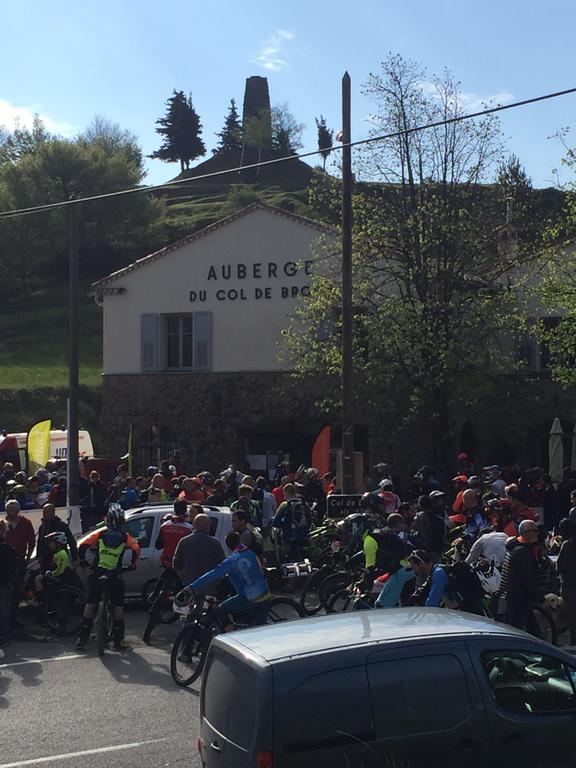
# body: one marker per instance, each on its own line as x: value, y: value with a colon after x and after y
x: 207, y: 231
x: 325, y: 633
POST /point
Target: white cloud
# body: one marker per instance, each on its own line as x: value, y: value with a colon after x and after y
x: 11, y: 115
x: 470, y: 101
x: 473, y: 102
x: 274, y: 53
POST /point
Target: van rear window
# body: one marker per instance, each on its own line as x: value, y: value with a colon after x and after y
x: 230, y: 699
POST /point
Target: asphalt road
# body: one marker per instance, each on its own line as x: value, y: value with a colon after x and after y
x: 60, y: 707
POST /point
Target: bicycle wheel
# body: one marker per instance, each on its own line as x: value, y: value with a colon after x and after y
x: 283, y: 609
x: 103, y: 625
x: 150, y: 592
x: 547, y: 629
x: 188, y: 655
x: 341, y: 602
x: 64, y: 609
x: 310, y: 602
x: 332, y: 584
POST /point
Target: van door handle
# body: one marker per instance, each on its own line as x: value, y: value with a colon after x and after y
x: 466, y: 743
x: 214, y: 746
x: 512, y: 738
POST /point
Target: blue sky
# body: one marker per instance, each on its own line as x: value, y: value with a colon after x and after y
x: 70, y: 60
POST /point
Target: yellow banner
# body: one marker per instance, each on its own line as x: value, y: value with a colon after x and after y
x: 38, y: 446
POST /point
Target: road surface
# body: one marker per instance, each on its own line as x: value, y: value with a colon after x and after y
x: 59, y: 707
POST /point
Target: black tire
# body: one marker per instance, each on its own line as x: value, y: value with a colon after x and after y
x: 103, y: 625
x: 188, y: 655
x: 149, y: 592
x: 283, y: 609
x: 64, y: 610
x: 341, y: 602
x: 332, y: 584
x: 548, y: 630
x: 310, y: 602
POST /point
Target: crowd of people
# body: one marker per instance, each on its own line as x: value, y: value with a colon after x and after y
x: 502, y: 516
x: 508, y: 520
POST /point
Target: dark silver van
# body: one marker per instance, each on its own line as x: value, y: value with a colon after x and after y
x: 398, y: 688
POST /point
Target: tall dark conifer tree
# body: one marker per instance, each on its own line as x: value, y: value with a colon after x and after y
x: 231, y: 134
x: 182, y: 132
x: 325, y: 139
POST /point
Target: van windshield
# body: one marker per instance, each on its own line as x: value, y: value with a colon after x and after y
x: 230, y: 699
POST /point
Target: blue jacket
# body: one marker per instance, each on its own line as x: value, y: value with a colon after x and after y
x: 391, y: 592
x: 438, y: 586
x: 243, y: 569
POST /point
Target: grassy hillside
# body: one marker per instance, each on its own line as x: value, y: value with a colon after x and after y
x: 34, y: 335
x: 34, y: 342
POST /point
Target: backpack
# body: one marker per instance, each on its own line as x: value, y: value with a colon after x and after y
x: 391, y: 550
x: 464, y: 585
x: 298, y: 515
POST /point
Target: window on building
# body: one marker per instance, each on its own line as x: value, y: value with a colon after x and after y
x: 179, y: 341
x: 176, y: 342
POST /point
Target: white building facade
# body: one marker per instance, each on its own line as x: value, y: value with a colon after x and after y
x: 200, y: 320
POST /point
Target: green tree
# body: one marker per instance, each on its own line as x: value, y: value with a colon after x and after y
x: 427, y: 267
x: 286, y: 130
x: 325, y: 139
x: 230, y: 137
x: 555, y: 280
x: 182, y: 132
x: 33, y: 249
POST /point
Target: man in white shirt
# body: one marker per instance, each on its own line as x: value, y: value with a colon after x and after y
x: 490, y: 546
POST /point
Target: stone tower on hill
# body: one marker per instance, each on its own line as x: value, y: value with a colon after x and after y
x: 257, y: 147
x: 256, y: 115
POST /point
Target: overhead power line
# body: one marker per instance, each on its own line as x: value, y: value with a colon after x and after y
x: 276, y: 161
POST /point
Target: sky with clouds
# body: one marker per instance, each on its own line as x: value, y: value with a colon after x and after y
x: 68, y: 61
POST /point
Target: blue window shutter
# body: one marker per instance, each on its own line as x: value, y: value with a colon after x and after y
x: 149, y: 342
x: 203, y: 341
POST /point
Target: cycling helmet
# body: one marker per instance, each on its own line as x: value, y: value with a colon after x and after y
x: 58, y: 537
x: 115, y: 517
x: 386, y: 484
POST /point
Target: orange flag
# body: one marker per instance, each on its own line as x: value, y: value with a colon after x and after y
x: 321, y: 451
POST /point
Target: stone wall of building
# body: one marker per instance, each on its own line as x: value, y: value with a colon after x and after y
x: 203, y: 418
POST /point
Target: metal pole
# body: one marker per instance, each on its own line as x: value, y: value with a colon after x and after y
x: 73, y: 470
x: 347, y: 316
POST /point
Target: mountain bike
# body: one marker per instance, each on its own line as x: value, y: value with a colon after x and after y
x: 60, y: 606
x: 105, y: 613
x: 203, y: 621
x: 160, y: 611
x: 335, y: 575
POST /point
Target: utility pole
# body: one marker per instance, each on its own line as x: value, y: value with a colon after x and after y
x: 72, y: 463
x: 347, y: 316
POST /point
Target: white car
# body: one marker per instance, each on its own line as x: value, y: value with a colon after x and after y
x: 143, y: 524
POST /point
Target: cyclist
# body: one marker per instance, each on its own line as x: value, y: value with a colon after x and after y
x: 246, y: 503
x: 171, y: 531
x: 245, y: 573
x: 454, y: 586
x: 61, y: 570
x: 294, y: 519
x: 384, y: 549
x: 434, y: 589
x: 391, y: 500
x: 109, y: 544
